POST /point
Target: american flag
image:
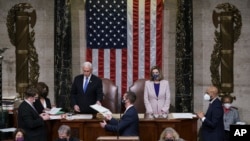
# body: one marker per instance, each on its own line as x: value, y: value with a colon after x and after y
x: 124, y: 39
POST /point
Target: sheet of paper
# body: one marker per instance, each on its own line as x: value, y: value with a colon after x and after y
x: 101, y: 109
x: 53, y: 111
x: 82, y: 116
x: 12, y: 129
x: 55, y: 117
x: 181, y: 115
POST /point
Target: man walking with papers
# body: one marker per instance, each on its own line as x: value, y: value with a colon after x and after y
x: 128, y: 125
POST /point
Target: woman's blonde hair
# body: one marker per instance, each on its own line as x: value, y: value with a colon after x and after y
x: 170, y: 131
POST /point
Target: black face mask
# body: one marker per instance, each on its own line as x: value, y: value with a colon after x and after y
x: 155, y: 76
x: 123, y: 101
x: 169, y: 140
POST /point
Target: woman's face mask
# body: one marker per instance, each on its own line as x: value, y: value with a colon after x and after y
x: 155, y: 76
x: 206, y: 97
x: 20, y: 139
x: 227, y: 105
x: 169, y: 139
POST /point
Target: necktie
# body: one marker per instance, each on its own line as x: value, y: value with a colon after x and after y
x: 34, y: 108
x: 85, y: 85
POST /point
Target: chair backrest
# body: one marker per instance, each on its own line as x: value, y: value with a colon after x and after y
x: 111, y: 98
x: 138, y: 89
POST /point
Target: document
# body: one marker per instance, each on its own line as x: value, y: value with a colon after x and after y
x: 12, y: 129
x: 99, y: 108
x: 54, y: 111
x: 55, y: 117
x: 181, y: 115
x: 82, y: 116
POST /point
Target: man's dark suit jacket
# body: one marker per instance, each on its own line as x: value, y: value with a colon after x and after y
x: 213, y: 125
x: 39, y: 107
x: 128, y: 125
x: 93, y: 93
x: 30, y: 121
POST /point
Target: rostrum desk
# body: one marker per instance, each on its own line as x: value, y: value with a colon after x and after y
x: 149, y: 129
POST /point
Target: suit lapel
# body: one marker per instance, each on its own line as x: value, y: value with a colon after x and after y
x: 152, y: 89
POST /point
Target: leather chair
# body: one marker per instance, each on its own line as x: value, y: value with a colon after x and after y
x: 111, y: 98
x: 138, y: 89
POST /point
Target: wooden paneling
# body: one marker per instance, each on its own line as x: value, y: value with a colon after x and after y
x: 149, y: 129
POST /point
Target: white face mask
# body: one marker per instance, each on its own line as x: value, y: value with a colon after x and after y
x: 206, y: 97
x: 227, y: 105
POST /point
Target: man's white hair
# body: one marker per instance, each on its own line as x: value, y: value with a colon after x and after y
x: 87, y: 64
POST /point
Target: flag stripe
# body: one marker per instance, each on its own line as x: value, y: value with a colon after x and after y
x: 130, y: 38
x: 159, y: 35
x: 144, y: 44
x: 147, y: 36
x: 112, y: 65
x: 141, y: 41
x: 101, y: 63
x: 124, y: 70
x: 152, y: 35
x: 107, y: 61
x: 135, y: 38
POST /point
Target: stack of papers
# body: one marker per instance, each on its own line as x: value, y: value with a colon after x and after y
x: 12, y: 129
x: 181, y: 115
x: 82, y: 116
x: 55, y: 117
x: 99, y: 108
x: 54, y: 111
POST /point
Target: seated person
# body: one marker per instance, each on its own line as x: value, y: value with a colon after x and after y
x: 231, y: 115
x: 42, y: 103
x: 19, y: 134
x: 169, y: 134
x: 64, y: 134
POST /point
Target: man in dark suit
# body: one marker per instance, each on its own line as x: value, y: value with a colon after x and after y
x: 86, y: 90
x: 212, y: 128
x: 29, y: 119
x: 128, y: 125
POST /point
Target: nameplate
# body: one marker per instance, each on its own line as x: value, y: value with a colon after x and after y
x: 239, y: 132
x: 116, y: 138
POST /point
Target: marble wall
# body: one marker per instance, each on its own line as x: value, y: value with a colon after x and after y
x: 44, y: 43
x: 203, y: 47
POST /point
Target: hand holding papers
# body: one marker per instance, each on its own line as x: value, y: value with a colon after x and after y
x: 104, y: 111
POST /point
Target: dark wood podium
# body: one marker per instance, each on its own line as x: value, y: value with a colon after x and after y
x: 115, y: 138
x: 149, y: 129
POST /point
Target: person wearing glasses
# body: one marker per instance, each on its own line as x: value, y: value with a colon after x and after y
x: 156, y: 93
